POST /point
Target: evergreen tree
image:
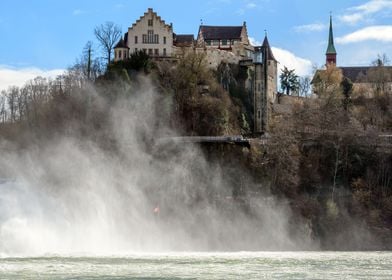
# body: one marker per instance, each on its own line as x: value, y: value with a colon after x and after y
x: 289, y: 81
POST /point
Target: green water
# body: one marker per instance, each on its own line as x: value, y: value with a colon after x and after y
x: 257, y: 265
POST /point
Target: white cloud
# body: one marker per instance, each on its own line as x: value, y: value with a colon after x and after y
x: 77, y: 12
x: 351, y: 18
x: 364, y: 11
x: 254, y: 42
x: 18, y: 77
x: 302, y: 66
x: 381, y: 33
x: 251, y: 5
x: 310, y: 27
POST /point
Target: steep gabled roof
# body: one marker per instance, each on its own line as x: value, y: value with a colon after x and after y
x: 355, y: 74
x: 150, y: 11
x: 121, y: 44
x: 126, y: 38
x: 183, y: 39
x: 359, y: 73
x: 220, y: 32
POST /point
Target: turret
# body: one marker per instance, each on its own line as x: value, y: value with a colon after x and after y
x: 271, y: 68
x: 265, y: 82
x: 121, y: 50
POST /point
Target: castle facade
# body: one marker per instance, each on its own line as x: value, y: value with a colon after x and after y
x: 220, y: 44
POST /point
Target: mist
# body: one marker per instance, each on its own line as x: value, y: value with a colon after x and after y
x: 69, y: 195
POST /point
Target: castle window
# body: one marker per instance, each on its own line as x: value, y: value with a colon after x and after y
x: 119, y: 54
x: 145, y: 50
x: 164, y: 40
x: 135, y: 39
x: 156, y: 52
x: 156, y: 39
x: 149, y: 51
x: 144, y: 39
x: 150, y: 22
x: 150, y: 36
x: 164, y: 52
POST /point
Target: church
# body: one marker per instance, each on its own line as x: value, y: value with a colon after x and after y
x: 366, y: 80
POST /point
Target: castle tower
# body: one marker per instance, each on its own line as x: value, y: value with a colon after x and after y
x: 121, y: 50
x: 331, y: 51
x: 265, y: 85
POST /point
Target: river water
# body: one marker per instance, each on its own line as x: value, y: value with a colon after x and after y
x: 242, y: 265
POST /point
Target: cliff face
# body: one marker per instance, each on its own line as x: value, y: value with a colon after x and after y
x: 345, y: 201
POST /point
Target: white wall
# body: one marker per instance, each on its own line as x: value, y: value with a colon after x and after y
x: 159, y: 27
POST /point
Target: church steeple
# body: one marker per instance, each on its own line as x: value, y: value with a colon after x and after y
x: 331, y: 51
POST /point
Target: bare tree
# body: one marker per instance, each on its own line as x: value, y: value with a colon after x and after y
x: 379, y: 76
x: 12, y: 98
x: 304, y: 86
x: 3, y: 110
x: 107, y: 35
x: 87, y: 67
x: 88, y: 53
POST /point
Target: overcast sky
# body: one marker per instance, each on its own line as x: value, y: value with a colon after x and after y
x: 42, y: 37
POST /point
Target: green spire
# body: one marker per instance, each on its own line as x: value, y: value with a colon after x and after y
x: 331, y: 46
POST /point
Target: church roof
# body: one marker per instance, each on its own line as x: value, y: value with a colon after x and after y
x: 183, y: 39
x: 221, y: 32
x: 358, y: 74
x: 355, y: 73
x: 331, y: 47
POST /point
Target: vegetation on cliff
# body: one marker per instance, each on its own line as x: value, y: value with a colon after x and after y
x: 324, y: 155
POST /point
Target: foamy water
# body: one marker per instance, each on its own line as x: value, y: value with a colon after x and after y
x: 257, y: 265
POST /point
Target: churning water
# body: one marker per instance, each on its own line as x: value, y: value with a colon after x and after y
x: 246, y: 265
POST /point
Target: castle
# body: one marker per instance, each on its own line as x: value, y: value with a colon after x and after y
x: 220, y: 44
